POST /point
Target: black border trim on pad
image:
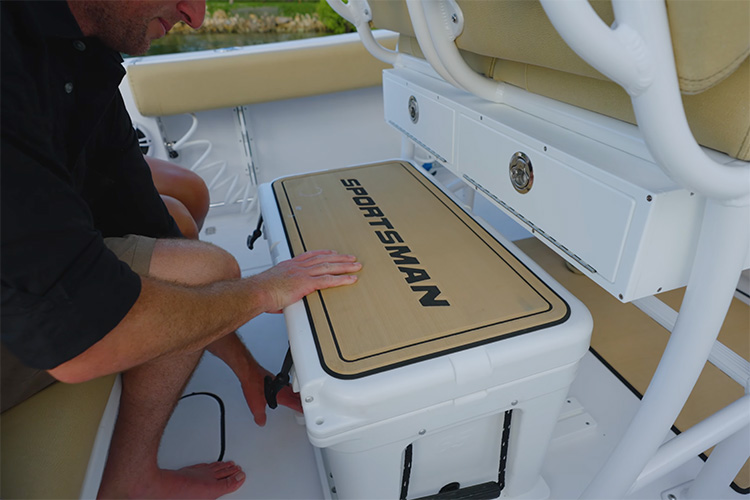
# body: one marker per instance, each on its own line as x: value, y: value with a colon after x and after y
x: 387, y: 367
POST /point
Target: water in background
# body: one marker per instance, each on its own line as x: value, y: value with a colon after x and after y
x: 174, y: 43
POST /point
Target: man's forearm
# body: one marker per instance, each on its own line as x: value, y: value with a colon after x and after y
x: 167, y: 318
x: 171, y: 318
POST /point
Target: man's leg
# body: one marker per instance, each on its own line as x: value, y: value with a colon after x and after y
x: 182, y: 217
x: 151, y: 391
x: 149, y: 394
x: 182, y: 185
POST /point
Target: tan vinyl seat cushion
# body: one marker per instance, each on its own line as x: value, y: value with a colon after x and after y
x: 230, y: 79
x: 46, y: 441
x: 513, y: 41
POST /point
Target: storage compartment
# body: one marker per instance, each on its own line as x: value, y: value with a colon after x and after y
x: 408, y: 377
x: 414, y: 112
x: 600, y: 202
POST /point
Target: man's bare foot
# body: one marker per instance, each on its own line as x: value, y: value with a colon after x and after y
x: 197, y: 481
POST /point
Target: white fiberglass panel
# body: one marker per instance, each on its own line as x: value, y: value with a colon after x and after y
x: 568, y: 208
x: 421, y: 117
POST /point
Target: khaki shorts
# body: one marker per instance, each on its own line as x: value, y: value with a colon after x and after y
x: 18, y: 382
x: 133, y: 250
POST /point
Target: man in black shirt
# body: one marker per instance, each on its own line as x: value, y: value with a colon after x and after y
x: 95, y: 276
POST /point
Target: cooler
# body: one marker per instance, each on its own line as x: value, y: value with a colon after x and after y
x: 442, y: 371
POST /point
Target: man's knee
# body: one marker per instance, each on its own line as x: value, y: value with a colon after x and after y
x: 192, y: 262
x: 182, y: 216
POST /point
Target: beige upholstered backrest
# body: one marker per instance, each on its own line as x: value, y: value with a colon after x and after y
x: 513, y: 41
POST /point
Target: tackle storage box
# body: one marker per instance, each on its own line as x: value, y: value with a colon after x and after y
x: 443, y: 369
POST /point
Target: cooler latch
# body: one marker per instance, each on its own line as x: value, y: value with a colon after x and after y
x: 272, y: 386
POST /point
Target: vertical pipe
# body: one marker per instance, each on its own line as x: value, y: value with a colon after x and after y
x: 722, y: 466
x: 721, y: 251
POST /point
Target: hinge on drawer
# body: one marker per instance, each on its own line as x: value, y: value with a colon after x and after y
x: 534, y: 227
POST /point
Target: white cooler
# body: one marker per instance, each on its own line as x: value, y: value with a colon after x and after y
x: 442, y: 371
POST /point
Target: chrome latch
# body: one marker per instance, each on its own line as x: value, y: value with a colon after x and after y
x: 521, y: 172
x: 413, y: 109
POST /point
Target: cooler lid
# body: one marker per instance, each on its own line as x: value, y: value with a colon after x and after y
x: 433, y: 280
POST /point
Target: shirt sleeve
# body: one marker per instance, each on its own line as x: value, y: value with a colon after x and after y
x: 119, y: 187
x: 62, y: 289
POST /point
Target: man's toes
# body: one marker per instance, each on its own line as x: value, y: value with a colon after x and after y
x: 221, y: 465
x: 234, y: 481
x: 227, y: 471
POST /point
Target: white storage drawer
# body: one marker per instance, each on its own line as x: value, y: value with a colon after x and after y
x: 602, y: 214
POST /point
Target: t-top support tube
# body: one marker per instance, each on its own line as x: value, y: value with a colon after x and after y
x: 722, y: 248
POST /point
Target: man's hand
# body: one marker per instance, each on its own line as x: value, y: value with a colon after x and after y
x: 290, y: 280
x: 250, y: 373
x: 252, y: 387
x: 282, y: 285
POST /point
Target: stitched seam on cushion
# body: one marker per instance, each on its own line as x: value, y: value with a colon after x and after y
x: 721, y: 74
x: 491, y: 69
x: 744, y: 145
x: 526, y: 77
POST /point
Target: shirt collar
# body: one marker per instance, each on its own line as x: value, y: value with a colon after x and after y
x: 55, y: 19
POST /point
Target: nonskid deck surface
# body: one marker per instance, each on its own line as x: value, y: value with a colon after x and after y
x: 279, y: 460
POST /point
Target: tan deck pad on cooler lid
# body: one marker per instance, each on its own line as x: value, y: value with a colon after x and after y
x: 433, y: 280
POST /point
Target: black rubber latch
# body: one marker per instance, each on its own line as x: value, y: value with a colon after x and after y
x: 251, y: 239
x: 273, y: 385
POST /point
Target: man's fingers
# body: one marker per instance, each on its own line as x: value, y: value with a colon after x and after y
x: 331, y: 281
x: 334, y: 268
x: 317, y: 257
x: 314, y: 254
x: 256, y: 401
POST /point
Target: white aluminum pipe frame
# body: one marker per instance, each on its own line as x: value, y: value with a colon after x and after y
x: 724, y: 426
x: 721, y: 252
x: 358, y: 13
x: 722, y: 466
x: 637, y: 54
x: 436, y: 24
x: 436, y: 33
x: 422, y: 31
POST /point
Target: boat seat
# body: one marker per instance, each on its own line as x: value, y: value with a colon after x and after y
x: 513, y: 41
x: 46, y: 441
x: 251, y: 75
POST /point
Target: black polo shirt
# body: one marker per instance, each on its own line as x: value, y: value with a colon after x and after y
x: 72, y: 174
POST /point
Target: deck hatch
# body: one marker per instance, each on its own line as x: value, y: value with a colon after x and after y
x: 433, y: 280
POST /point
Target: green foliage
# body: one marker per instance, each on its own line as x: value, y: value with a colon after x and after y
x: 332, y: 21
x: 275, y: 7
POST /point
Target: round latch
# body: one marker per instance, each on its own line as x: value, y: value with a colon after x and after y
x: 521, y: 173
x: 413, y: 109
